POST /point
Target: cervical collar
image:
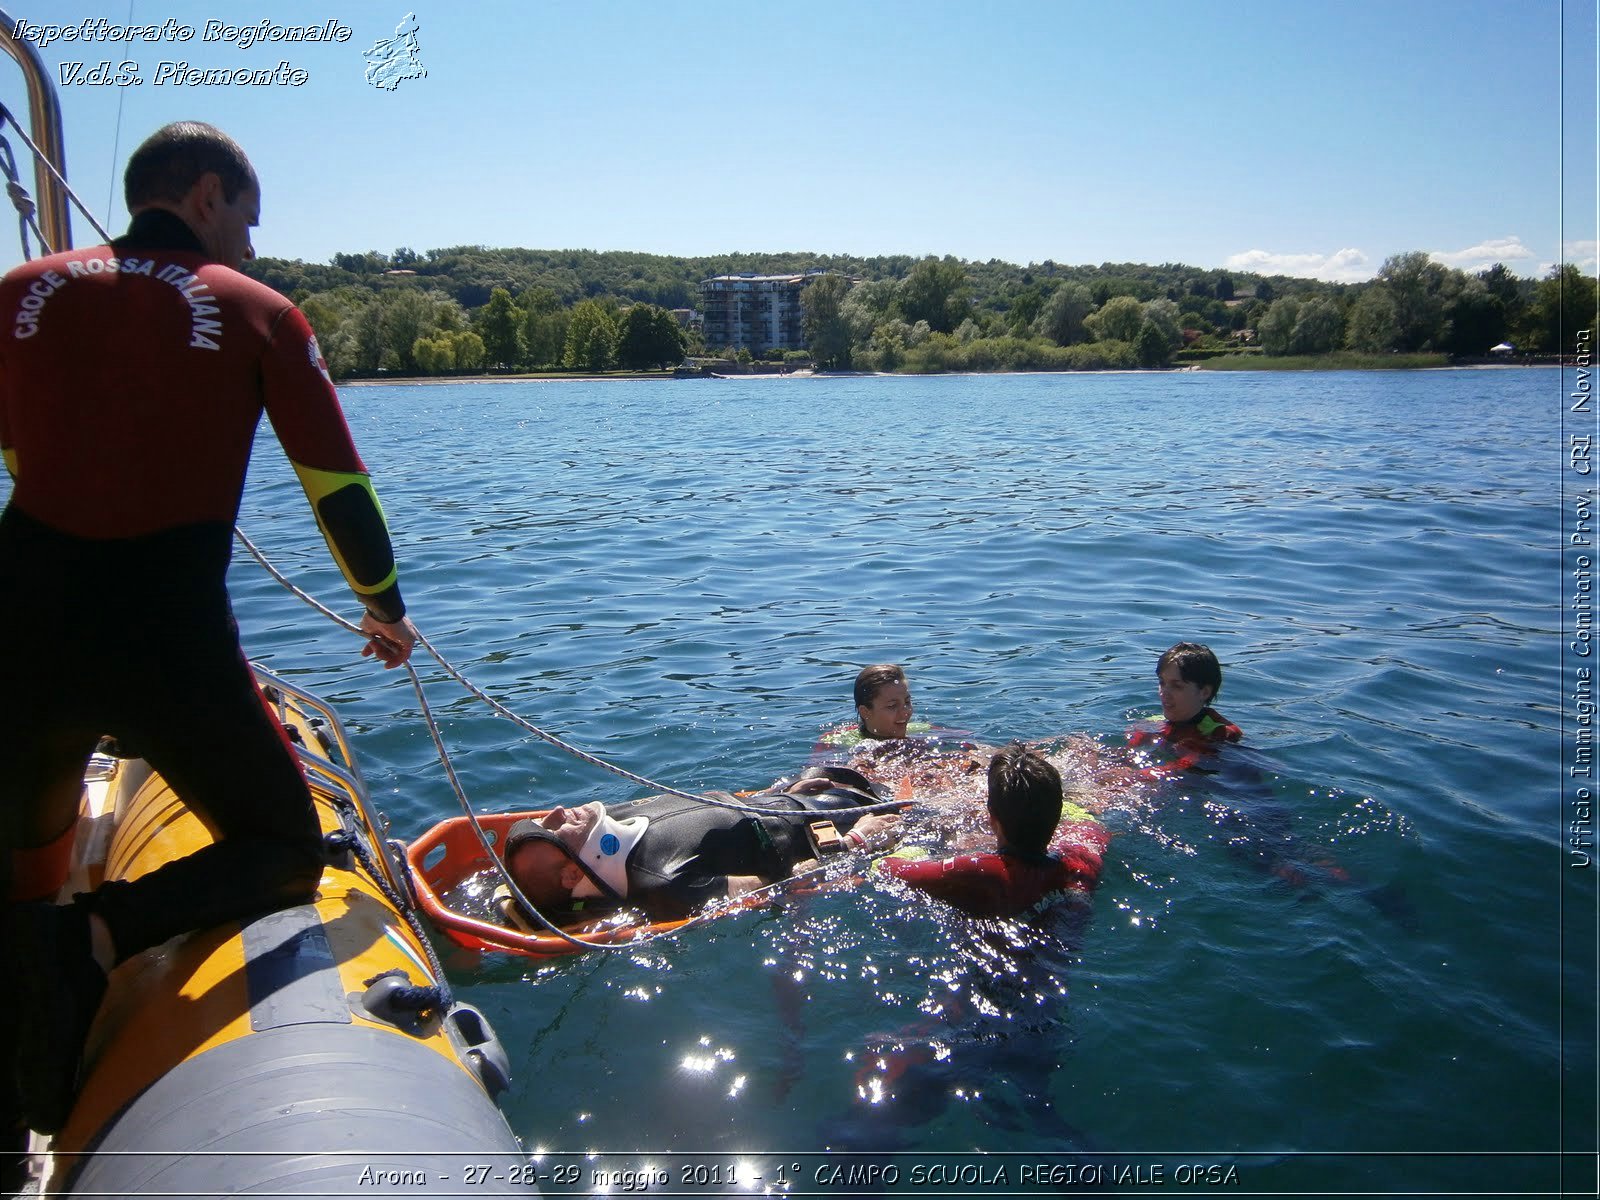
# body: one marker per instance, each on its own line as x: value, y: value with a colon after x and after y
x: 606, y: 852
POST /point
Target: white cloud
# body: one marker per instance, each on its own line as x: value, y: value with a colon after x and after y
x: 1342, y: 266
x: 1353, y: 266
x: 1507, y: 250
x: 1583, y: 255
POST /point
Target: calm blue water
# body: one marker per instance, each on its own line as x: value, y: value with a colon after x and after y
x: 684, y: 578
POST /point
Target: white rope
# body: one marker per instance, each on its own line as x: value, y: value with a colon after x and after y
x: 61, y: 180
x: 501, y: 710
x: 544, y: 735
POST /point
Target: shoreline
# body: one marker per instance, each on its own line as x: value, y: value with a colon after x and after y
x: 659, y: 376
x: 532, y: 377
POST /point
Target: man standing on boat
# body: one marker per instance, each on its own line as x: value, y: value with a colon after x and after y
x: 132, y: 379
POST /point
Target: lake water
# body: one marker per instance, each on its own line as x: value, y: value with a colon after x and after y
x: 684, y: 578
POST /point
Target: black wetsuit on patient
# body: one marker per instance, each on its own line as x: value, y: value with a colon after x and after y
x: 690, y: 848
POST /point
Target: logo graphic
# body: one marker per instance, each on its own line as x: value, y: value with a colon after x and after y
x: 314, y: 353
x: 390, y: 61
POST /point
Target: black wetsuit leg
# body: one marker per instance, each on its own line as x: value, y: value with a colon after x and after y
x: 136, y: 639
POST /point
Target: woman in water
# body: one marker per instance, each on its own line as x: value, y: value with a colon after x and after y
x: 910, y: 758
x: 883, y: 702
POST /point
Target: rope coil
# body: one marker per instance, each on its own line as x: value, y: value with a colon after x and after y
x: 345, y: 840
x: 19, y: 196
x: 39, y: 156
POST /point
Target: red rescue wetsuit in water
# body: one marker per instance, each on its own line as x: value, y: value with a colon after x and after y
x: 132, y: 379
x: 1191, y: 742
x: 1008, y: 883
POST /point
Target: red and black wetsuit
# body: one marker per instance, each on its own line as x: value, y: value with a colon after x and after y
x: 132, y: 379
x: 1010, y: 883
x: 1191, y: 742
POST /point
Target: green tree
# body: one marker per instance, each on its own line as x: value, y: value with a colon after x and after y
x: 370, y: 263
x: 1163, y: 316
x: 1418, y: 287
x: 649, y: 337
x: 1062, y: 315
x: 499, y: 324
x: 1151, y: 345
x: 591, y: 337
x: 865, y: 307
x: 544, y: 327
x: 1318, y: 328
x: 935, y: 292
x: 888, y: 348
x: 1501, y: 283
x: 1474, y: 319
x: 358, y: 346
x: 1372, y: 327
x: 827, y: 327
x: 1119, y: 319
x: 1563, y: 303
x: 671, y: 338
x: 1275, y: 330
x: 408, y: 313
x: 434, y: 355
x: 467, y: 349
x: 1026, y: 305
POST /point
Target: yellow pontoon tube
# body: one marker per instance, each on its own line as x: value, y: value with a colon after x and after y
x: 307, y: 1052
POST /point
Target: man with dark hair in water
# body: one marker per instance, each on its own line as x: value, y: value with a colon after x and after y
x: 1024, y: 871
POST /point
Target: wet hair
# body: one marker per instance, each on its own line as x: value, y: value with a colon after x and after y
x: 172, y: 159
x: 1196, y: 664
x: 1024, y: 798
x: 872, y: 680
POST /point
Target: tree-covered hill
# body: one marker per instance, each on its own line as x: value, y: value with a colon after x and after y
x: 466, y: 308
x: 467, y: 274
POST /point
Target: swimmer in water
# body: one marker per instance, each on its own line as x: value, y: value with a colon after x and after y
x: 1036, y: 862
x: 1188, y: 678
x: 883, y: 702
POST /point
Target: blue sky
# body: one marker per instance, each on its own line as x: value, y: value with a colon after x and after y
x: 1307, y: 139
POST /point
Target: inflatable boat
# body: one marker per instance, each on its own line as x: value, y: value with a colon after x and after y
x: 311, y: 1051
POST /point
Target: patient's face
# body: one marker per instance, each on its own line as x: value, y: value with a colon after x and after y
x: 543, y: 872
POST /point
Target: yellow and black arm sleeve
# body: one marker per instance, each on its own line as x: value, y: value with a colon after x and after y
x: 351, y: 519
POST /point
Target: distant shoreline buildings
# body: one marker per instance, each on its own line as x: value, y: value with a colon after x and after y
x: 754, y: 312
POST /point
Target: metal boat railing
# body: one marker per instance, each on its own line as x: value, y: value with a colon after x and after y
x: 341, y: 777
x: 47, y: 138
